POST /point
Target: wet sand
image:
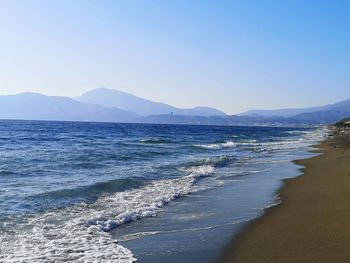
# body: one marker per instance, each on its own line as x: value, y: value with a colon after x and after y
x: 313, y: 222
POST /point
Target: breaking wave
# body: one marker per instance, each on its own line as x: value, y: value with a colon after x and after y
x: 81, y: 233
x: 216, y: 146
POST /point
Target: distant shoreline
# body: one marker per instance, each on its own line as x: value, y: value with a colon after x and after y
x: 312, y: 223
x: 109, y: 105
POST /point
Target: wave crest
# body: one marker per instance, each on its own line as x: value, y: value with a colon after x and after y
x: 216, y: 146
x: 81, y: 233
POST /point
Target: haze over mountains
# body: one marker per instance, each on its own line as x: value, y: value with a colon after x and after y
x: 143, y: 107
x: 34, y: 106
x: 340, y: 106
x: 107, y: 105
x: 104, y: 105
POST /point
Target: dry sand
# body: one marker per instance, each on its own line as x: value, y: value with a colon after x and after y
x: 313, y: 222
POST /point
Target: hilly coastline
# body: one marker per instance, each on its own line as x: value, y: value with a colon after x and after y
x: 108, y: 105
x: 126, y: 101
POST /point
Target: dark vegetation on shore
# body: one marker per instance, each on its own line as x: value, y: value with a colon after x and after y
x: 340, y: 135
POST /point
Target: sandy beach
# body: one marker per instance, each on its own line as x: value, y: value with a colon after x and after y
x: 312, y: 223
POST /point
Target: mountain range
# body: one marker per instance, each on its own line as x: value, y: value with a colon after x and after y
x: 339, y: 106
x: 126, y: 101
x: 108, y: 105
x: 34, y: 106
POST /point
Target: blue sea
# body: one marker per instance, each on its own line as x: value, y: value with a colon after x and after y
x: 106, y: 192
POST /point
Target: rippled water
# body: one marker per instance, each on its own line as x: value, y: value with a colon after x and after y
x: 65, y: 186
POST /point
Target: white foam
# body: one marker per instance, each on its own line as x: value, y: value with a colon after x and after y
x: 287, y: 144
x: 80, y: 233
x: 217, y: 146
x: 47, y: 239
x: 202, y: 170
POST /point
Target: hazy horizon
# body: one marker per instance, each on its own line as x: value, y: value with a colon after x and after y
x: 193, y: 106
x: 230, y: 55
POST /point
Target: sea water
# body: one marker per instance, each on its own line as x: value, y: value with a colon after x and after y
x: 106, y: 192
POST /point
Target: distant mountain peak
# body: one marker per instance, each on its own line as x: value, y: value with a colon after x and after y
x: 29, y: 94
x: 108, y: 105
x: 36, y: 106
x: 115, y: 98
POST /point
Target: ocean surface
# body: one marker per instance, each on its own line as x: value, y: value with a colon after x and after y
x: 104, y: 192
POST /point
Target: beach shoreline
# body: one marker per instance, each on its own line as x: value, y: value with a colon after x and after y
x: 311, y: 223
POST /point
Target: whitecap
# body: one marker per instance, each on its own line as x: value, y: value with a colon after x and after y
x: 216, y: 146
x: 81, y: 233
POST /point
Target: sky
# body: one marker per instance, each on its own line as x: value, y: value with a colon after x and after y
x: 232, y: 55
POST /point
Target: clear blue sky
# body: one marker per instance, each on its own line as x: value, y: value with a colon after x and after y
x: 233, y: 55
